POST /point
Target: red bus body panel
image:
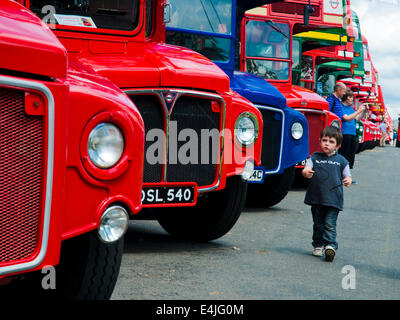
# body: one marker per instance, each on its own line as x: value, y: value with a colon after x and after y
x: 72, y: 99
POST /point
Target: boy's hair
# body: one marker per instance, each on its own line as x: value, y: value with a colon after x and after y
x: 332, y: 132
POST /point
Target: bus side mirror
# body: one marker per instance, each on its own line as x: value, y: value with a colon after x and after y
x: 307, y: 11
x: 167, y: 13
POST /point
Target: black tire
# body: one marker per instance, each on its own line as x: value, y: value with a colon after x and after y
x: 88, y: 268
x: 273, y: 190
x: 214, y: 215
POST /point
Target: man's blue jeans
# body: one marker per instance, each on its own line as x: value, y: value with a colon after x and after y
x: 324, y: 226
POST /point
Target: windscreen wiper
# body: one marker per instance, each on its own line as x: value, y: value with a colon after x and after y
x: 273, y: 25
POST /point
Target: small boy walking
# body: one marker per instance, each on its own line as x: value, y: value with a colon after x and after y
x: 328, y: 171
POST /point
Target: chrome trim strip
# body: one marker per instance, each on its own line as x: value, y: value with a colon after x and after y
x: 179, y: 93
x: 27, y: 84
x: 282, y: 135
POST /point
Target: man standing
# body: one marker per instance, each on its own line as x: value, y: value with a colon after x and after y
x: 382, y: 126
x: 335, y: 99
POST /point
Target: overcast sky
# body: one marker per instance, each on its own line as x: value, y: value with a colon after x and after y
x: 380, y: 23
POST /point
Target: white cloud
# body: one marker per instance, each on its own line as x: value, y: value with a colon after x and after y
x: 380, y: 24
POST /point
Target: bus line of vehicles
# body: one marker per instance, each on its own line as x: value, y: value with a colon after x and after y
x: 152, y: 109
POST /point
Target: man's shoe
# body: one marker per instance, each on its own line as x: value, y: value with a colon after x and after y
x: 354, y: 182
x: 318, y: 251
x: 329, y: 253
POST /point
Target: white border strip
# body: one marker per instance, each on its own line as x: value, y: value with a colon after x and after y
x: 27, y: 84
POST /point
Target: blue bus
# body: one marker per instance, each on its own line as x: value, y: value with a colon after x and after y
x: 212, y: 27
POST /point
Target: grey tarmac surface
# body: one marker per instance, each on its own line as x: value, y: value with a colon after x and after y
x: 267, y: 255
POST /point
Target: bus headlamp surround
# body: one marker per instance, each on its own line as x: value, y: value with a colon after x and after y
x: 246, y: 129
x: 297, y: 130
x: 105, y: 150
x: 105, y: 145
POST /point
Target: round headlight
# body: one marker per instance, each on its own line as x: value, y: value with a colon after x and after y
x: 297, y: 130
x: 336, y: 124
x: 113, y: 224
x: 105, y: 145
x: 246, y: 128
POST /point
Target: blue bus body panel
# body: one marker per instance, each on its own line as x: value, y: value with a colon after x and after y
x: 262, y: 93
x: 256, y: 89
x: 294, y: 151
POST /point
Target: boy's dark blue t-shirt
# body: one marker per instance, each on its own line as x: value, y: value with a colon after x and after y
x: 325, y: 187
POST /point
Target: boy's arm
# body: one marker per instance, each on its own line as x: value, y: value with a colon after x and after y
x: 308, y: 172
x: 346, y: 176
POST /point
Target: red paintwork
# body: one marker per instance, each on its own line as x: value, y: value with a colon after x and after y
x: 81, y: 98
x: 24, y: 39
x: 148, y: 63
x: 91, y: 72
x: 161, y: 66
x: 317, y: 18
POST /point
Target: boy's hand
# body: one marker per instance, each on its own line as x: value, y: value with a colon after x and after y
x: 307, y: 172
x: 347, y: 181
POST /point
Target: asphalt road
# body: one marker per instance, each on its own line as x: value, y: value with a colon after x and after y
x: 267, y: 255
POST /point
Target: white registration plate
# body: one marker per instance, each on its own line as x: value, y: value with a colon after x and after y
x: 257, y: 176
x: 167, y: 195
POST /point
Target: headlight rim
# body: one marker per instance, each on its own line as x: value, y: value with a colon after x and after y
x: 125, y: 125
x: 254, y: 119
x: 302, y: 130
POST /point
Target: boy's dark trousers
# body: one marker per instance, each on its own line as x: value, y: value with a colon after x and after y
x: 324, y: 226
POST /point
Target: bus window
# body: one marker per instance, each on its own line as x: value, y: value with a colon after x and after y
x: 149, y: 17
x: 267, y: 69
x: 296, y: 54
x: 118, y: 15
x: 205, y: 15
x: 266, y: 39
x: 307, y: 68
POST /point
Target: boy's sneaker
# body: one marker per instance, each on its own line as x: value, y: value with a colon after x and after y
x: 318, y: 251
x: 329, y: 253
